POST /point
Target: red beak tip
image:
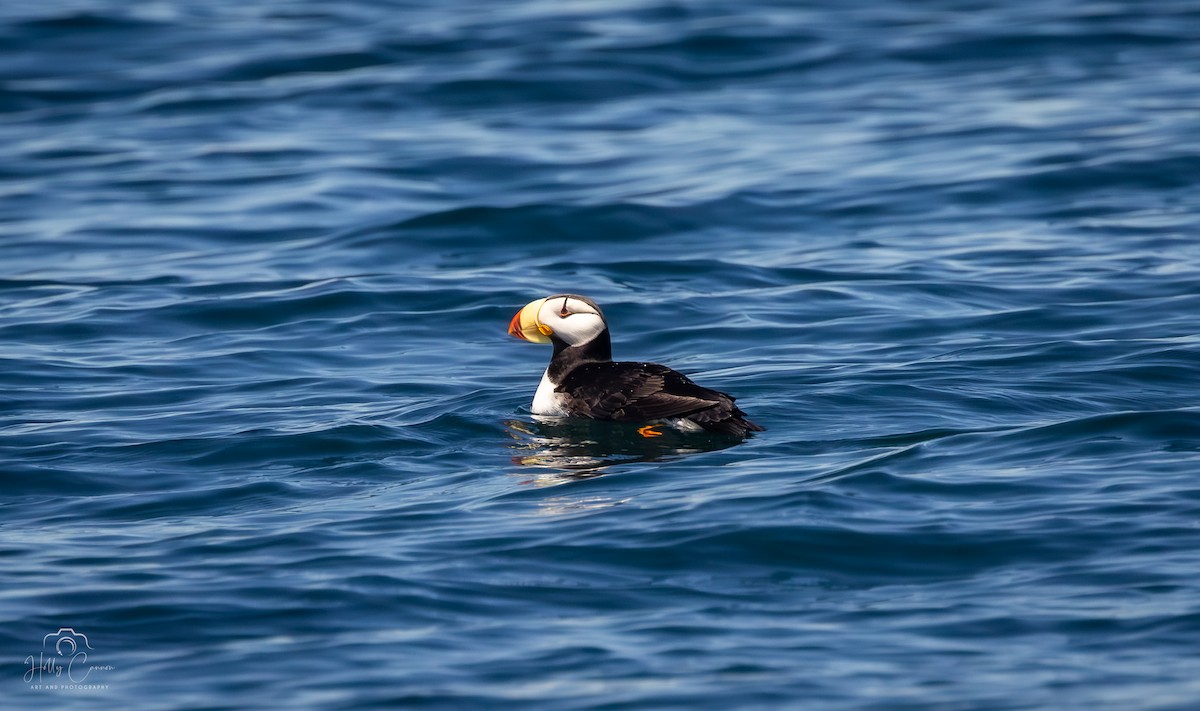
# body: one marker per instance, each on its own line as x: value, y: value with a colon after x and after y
x: 514, y: 327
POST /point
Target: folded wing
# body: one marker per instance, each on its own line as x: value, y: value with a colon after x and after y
x: 637, y: 392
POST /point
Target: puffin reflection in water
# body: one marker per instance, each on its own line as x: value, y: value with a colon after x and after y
x: 583, y: 381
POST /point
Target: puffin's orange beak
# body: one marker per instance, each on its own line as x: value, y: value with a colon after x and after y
x: 514, y: 327
x: 525, y: 324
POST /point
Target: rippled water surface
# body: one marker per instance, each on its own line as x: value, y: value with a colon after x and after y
x: 264, y: 442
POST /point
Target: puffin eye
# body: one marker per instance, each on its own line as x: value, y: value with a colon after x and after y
x: 564, y: 313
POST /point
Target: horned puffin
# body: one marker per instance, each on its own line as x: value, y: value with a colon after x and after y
x: 582, y: 379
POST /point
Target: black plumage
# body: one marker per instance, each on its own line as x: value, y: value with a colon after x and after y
x: 644, y: 392
x: 590, y: 384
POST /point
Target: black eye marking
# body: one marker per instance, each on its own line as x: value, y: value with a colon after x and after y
x: 563, y: 311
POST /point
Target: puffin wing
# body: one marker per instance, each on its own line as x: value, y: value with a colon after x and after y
x: 635, y: 392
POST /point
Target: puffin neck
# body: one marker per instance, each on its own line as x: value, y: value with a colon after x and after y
x: 567, y: 357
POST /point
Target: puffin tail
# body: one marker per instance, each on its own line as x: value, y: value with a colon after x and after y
x: 735, y: 425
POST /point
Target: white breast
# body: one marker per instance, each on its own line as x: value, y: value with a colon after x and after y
x: 545, y: 400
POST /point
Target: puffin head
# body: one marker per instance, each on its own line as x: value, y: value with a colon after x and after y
x: 569, y: 319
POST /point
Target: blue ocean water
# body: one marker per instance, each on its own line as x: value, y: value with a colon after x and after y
x: 264, y: 442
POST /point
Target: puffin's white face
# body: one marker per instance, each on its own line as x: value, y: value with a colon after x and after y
x: 572, y: 319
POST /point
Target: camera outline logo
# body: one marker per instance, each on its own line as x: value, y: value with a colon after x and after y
x: 67, y: 643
